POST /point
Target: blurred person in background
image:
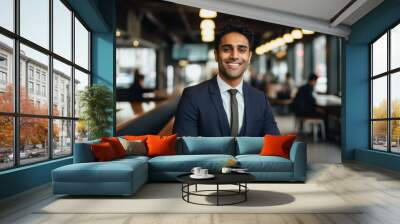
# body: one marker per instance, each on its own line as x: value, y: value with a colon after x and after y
x: 136, y: 90
x: 304, y: 103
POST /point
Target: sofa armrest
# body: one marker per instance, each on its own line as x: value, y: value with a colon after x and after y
x: 298, y: 155
x: 83, y: 152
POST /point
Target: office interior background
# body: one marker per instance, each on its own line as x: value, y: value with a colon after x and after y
x: 48, y: 58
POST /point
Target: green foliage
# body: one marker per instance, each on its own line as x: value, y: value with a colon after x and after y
x: 96, y: 103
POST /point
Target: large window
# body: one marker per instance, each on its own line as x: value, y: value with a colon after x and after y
x: 385, y: 94
x: 129, y: 59
x: 320, y: 68
x: 44, y: 64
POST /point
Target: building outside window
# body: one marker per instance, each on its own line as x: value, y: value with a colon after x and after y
x: 3, y: 80
x: 56, y: 128
x: 385, y: 96
x: 3, y: 72
x: 30, y: 72
x: 43, y: 90
x: 30, y: 87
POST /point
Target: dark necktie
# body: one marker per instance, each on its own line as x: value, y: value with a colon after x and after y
x: 234, y: 112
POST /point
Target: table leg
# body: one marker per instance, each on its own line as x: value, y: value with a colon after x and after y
x: 245, y: 191
x: 217, y: 194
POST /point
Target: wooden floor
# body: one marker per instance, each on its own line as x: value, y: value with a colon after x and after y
x: 379, y: 190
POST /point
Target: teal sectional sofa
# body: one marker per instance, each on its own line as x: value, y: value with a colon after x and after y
x: 125, y: 176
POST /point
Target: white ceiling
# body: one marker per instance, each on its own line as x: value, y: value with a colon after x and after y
x: 320, y: 9
x: 317, y: 15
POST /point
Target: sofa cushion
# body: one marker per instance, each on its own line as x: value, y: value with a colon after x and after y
x: 135, y: 137
x: 111, y: 171
x: 83, y: 152
x: 277, y: 145
x: 257, y: 163
x: 207, y: 145
x: 134, y: 147
x: 116, y: 145
x: 249, y: 145
x: 103, y: 152
x: 161, y: 145
x: 185, y: 163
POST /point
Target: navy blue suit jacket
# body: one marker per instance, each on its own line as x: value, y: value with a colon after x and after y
x: 201, y: 113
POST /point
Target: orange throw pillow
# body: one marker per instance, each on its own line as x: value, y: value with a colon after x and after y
x: 161, y: 145
x: 277, y: 145
x: 103, y: 152
x: 135, y: 137
x: 116, y: 145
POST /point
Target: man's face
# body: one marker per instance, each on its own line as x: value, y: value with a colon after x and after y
x: 233, y: 55
x: 312, y: 83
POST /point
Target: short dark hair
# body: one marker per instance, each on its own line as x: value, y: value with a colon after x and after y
x: 234, y: 26
x: 312, y: 77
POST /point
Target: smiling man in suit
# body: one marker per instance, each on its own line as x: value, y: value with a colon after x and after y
x: 225, y: 105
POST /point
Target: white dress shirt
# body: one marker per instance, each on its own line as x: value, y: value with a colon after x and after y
x: 226, y: 100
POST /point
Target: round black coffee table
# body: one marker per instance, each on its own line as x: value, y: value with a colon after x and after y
x: 238, y: 179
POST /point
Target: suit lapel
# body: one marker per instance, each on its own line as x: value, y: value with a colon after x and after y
x: 217, y: 101
x: 246, y: 109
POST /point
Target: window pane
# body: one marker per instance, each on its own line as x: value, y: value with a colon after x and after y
x: 33, y: 139
x: 379, y: 135
x: 379, y: 98
x: 62, y: 141
x: 395, y: 95
x: 34, y: 72
x: 62, y: 29
x: 62, y: 89
x: 320, y: 68
x: 35, y: 21
x: 299, y: 63
x: 395, y: 47
x: 6, y: 142
x: 81, y: 81
x: 81, y: 132
x: 395, y: 136
x: 7, y: 14
x: 6, y: 74
x: 81, y: 45
x: 379, y: 55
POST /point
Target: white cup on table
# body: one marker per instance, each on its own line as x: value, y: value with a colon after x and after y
x: 196, y: 170
x: 203, y: 172
x: 226, y: 170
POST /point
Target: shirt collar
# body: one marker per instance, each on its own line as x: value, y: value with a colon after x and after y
x: 224, y: 87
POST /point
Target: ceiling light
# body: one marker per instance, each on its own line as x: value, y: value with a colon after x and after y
x: 207, y: 38
x: 207, y: 14
x: 268, y: 47
x: 135, y: 43
x: 273, y: 44
x: 288, y: 38
x: 207, y: 24
x: 280, y: 41
x: 118, y: 33
x: 183, y: 63
x: 259, y: 51
x: 307, y: 32
x: 297, y: 34
x: 207, y: 32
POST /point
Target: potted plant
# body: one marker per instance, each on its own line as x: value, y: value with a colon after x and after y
x: 96, y: 104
